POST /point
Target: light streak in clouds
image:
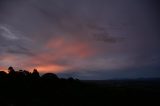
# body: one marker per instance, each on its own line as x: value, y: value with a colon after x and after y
x: 5, y: 32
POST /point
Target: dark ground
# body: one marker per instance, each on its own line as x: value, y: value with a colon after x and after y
x: 49, y: 90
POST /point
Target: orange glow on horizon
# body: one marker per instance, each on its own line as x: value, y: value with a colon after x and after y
x: 3, y: 69
x: 41, y: 69
x: 51, y: 68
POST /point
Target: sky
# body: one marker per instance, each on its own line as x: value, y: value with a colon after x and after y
x: 85, y: 39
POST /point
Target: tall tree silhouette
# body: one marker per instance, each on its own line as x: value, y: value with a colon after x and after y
x: 11, y: 70
x: 35, y: 74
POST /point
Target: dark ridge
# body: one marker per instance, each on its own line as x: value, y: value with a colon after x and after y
x: 23, y: 88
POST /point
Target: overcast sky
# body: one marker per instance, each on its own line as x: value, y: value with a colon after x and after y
x: 86, y: 39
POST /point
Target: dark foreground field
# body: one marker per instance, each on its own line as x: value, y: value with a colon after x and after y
x: 20, y: 89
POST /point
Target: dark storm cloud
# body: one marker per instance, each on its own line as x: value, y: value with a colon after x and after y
x: 81, y: 36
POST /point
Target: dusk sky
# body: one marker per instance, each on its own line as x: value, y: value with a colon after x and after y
x: 85, y: 39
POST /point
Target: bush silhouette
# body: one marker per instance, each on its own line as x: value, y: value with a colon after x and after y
x: 50, y: 76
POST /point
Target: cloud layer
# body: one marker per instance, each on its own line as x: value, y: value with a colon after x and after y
x: 87, y: 39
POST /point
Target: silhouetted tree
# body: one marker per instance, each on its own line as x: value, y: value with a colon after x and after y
x: 19, y: 74
x: 35, y: 74
x: 27, y: 73
x: 11, y: 70
x: 49, y: 76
